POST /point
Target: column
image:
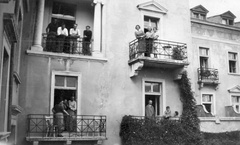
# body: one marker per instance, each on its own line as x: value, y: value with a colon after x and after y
x: 97, y: 28
x: 37, y: 38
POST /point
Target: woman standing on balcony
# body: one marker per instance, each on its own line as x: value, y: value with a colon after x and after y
x: 149, y: 42
x: 140, y: 35
x: 155, y: 41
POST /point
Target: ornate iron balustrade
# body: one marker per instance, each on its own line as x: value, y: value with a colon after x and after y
x: 208, y: 74
x: 78, y: 126
x: 160, y: 49
x: 70, y: 45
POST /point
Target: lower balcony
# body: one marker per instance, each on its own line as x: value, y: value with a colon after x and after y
x: 208, y: 76
x: 156, y: 53
x: 45, y: 127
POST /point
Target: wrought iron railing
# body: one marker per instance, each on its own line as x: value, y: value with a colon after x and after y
x: 78, y: 126
x: 208, y: 74
x: 160, y: 49
x: 68, y: 44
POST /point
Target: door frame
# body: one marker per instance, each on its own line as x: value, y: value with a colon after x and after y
x: 78, y: 93
x: 162, y: 95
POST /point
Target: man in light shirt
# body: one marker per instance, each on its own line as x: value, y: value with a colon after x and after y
x: 62, y: 32
x: 74, y: 35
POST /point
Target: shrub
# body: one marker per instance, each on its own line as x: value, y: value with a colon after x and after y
x: 177, y: 53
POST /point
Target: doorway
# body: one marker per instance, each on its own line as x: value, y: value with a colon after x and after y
x: 155, y: 102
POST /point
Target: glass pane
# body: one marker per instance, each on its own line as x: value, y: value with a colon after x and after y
x: 224, y: 21
x: 147, y: 87
x: 208, y: 107
x: 234, y: 99
x: 237, y: 108
x: 232, y: 56
x: 59, y: 81
x: 203, y: 51
x: 71, y: 81
x: 156, y: 87
x: 207, y: 98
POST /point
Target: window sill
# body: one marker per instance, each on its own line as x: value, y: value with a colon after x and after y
x: 234, y: 74
x: 64, y: 55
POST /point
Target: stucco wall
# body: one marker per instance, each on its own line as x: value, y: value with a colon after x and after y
x: 107, y: 88
x: 220, y: 124
x: 220, y: 41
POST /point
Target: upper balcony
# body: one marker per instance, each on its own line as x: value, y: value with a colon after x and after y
x: 69, y: 45
x: 208, y: 76
x: 86, y: 14
x: 46, y: 127
x: 156, y: 53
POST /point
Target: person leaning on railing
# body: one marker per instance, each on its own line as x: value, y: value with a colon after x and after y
x: 59, y: 111
x: 51, y: 31
x: 62, y: 32
x: 140, y: 35
x: 74, y: 35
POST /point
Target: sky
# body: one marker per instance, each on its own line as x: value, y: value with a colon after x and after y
x: 216, y: 7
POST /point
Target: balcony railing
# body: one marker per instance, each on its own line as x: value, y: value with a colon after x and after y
x: 159, y: 49
x: 208, y: 74
x: 68, y: 44
x: 78, y: 126
x: 155, y: 119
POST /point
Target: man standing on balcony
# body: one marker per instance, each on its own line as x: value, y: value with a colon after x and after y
x: 74, y: 35
x: 62, y: 32
x: 51, y: 31
x: 149, y: 110
x: 87, y: 37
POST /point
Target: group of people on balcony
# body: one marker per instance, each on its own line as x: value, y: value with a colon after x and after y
x: 59, y: 40
x: 146, y: 41
x: 150, y: 112
x: 65, y: 115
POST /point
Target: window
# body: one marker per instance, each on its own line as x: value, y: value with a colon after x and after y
x: 227, y: 21
x: 65, y: 13
x: 236, y: 103
x: 232, y: 62
x: 65, y: 87
x: 150, y: 22
x: 199, y: 16
x: 153, y: 92
x: 207, y: 102
x: 204, y: 57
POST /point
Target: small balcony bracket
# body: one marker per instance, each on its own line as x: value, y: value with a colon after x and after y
x: 135, y: 68
x: 202, y: 83
x: 178, y: 73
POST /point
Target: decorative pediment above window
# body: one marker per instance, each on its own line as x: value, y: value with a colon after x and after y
x: 199, y: 9
x: 228, y: 15
x: 235, y: 89
x: 152, y: 6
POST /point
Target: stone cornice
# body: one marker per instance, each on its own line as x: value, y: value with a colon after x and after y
x: 203, y: 22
